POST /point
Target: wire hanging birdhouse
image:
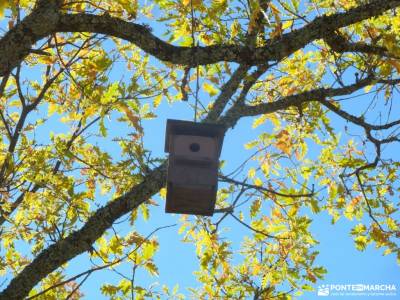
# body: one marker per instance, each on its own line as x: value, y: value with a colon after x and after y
x: 192, y: 179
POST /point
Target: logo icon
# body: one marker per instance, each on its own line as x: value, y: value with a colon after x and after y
x: 323, y: 290
x: 358, y: 287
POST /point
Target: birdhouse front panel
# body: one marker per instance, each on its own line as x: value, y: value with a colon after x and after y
x: 190, y: 200
x: 194, y: 147
x: 187, y: 173
x: 192, y: 178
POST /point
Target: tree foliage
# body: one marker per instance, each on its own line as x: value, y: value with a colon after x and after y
x: 80, y: 81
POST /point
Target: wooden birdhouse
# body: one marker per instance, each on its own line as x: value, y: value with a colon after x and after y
x: 192, y: 179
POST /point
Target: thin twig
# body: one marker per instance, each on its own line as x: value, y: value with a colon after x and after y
x: 263, y: 189
x: 78, y: 286
x: 370, y: 213
x: 255, y: 230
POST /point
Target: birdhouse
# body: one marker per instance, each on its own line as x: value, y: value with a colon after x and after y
x: 192, y: 178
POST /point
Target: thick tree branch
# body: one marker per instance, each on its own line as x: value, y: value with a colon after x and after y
x: 339, y: 44
x: 227, y: 92
x: 81, y: 241
x: 239, y: 111
x: 274, y: 50
x: 46, y: 20
x: 17, y: 42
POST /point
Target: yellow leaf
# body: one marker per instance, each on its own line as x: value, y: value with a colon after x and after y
x: 251, y: 144
x: 390, y: 42
x: 148, y: 250
x: 152, y: 268
x: 361, y: 242
x: 46, y: 59
x: 90, y: 111
x: 256, y: 269
x: 277, y: 228
x: 210, y: 89
x: 284, y: 142
x: 260, y: 120
x: 274, y: 120
x: 135, y: 120
x: 235, y: 28
x: 278, y: 23
x: 368, y: 88
x: 157, y: 101
x: 252, y: 173
x: 130, y: 6
x: 111, y: 93
x: 255, y: 208
x: 392, y: 224
x: 51, y: 109
x: 395, y: 64
x: 258, y: 182
x: 3, y: 5
x: 265, y: 167
x: 115, y: 245
x: 145, y: 212
x: 287, y: 24
x: 195, y: 3
x: 163, y: 193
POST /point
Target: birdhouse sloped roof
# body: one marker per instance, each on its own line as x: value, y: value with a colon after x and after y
x: 179, y: 127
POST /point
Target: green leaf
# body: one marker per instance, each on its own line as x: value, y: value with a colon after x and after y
x: 307, y: 287
x: 111, y: 94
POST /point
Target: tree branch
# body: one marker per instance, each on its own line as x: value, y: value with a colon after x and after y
x: 339, y: 44
x: 239, y: 111
x: 81, y: 240
x: 227, y: 92
x: 356, y: 120
x: 17, y: 43
x: 256, y: 230
x: 370, y: 213
x: 275, y: 49
x: 46, y: 20
x: 3, y: 119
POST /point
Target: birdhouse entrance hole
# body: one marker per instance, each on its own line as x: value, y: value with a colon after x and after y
x: 194, y: 147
